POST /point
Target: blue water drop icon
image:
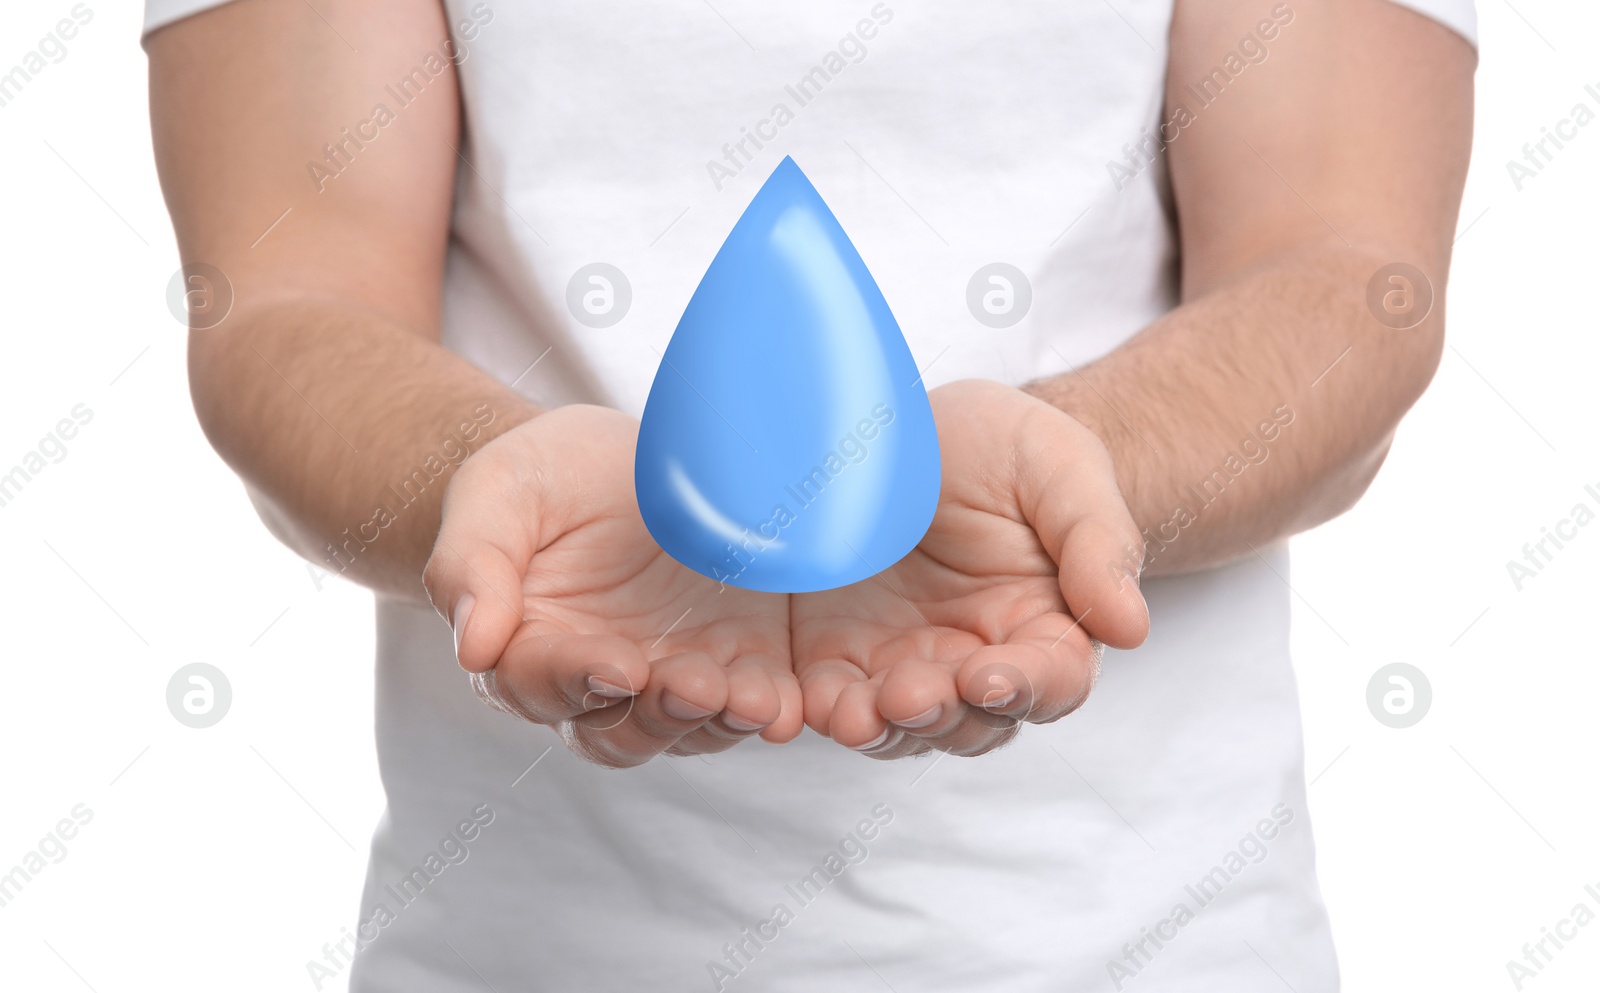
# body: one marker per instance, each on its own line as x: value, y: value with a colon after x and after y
x: 787, y: 444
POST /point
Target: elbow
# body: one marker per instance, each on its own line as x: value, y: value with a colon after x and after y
x: 1407, y: 322
x: 224, y: 410
x: 276, y: 520
x: 1420, y: 363
x: 1408, y: 349
x: 206, y: 393
x: 1345, y: 489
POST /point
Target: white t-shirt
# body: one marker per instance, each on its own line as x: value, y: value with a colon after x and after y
x: 1155, y: 840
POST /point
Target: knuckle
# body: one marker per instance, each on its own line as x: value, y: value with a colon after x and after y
x: 697, y: 745
x: 487, y: 686
x: 433, y: 578
x: 599, y: 749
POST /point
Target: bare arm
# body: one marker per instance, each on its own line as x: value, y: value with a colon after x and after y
x: 1345, y: 150
x: 325, y: 388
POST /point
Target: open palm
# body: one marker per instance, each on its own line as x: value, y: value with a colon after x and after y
x: 991, y: 620
x: 568, y: 614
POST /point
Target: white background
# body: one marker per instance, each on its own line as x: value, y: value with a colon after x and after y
x: 227, y: 857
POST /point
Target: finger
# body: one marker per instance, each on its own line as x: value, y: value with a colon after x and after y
x: 855, y: 722
x: 791, y: 710
x: 753, y: 701
x: 978, y: 733
x: 549, y: 678
x: 684, y: 691
x: 899, y: 746
x: 476, y: 586
x: 753, y: 704
x: 919, y: 696
x: 707, y: 739
x: 1100, y: 590
x: 1084, y: 523
x: 856, y: 715
x: 820, y: 686
x: 946, y: 721
x: 1030, y: 678
x: 748, y: 697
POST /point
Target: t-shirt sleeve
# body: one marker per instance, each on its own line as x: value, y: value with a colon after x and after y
x: 160, y: 13
x: 1461, y: 16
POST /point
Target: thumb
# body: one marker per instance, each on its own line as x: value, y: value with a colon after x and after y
x: 1067, y: 489
x: 476, y: 586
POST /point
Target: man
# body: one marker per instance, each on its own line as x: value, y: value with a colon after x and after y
x: 1206, y: 203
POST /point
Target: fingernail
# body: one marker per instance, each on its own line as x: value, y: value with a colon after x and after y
x: 1002, y: 702
x: 874, y: 743
x: 458, y: 619
x: 680, y: 709
x: 923, y: 719
x: 599, y: 687
x: 737, y: 723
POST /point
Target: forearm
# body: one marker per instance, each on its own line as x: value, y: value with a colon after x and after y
x: 325, y: 386
x: 1258, y: 410
x: 346, y: 428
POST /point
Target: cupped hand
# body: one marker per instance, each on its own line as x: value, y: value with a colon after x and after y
x: 567, y: 614
x: 995, y: 617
